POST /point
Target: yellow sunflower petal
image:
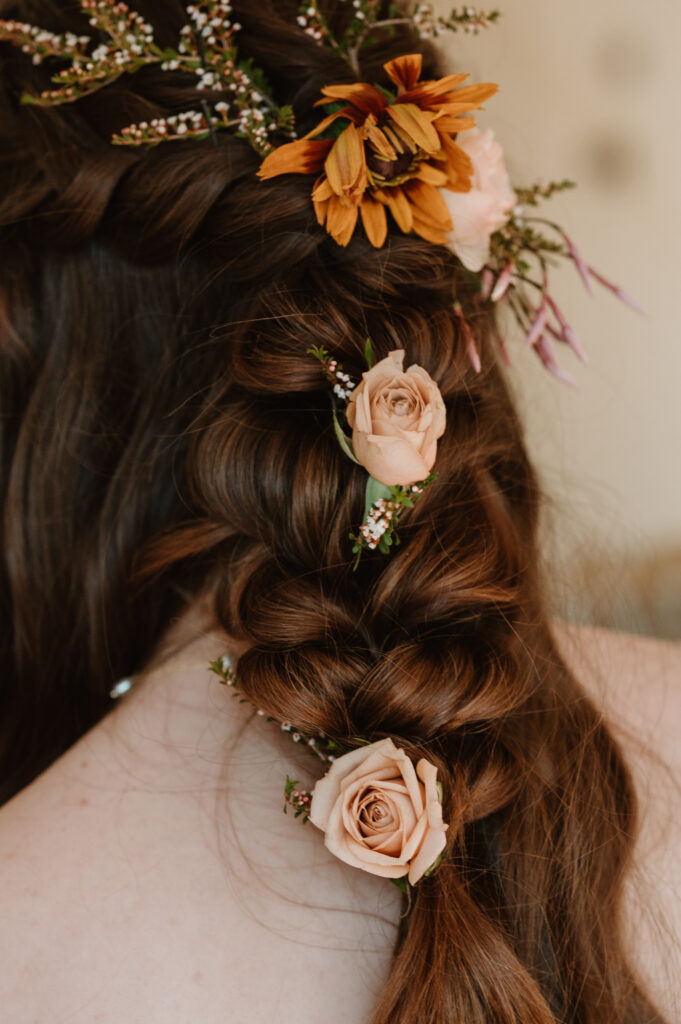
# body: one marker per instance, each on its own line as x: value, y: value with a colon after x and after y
x: 374, y: 220
x: 473, y: 95
x: 304, y: 156
x: 404, y: 71
x: 417, y: 124
x: 322, y: 189
x: 428, y: 232
x: 379, y: 140
x: 320, y: 209
x: 432, y: 175
x: 341, y: 219
x: 365, y: 97
x: 396, y: 201
x: 425, y: 93
x: 345, y: 164
x: 349, y: 112
x: 458, y: 165
x: 430, y: 207
x: 447, y: 125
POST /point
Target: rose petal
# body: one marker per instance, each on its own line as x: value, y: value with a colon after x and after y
x: 390, y: 460
x: 327, y: 789
x: 432, y: 846
x: 416, y: 838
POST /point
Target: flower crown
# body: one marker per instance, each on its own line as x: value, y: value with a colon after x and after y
x: 375, y: 152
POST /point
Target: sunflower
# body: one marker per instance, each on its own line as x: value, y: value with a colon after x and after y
x: 396, y: 152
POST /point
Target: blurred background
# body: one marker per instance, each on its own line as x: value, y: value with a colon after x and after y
x: 590, y: 91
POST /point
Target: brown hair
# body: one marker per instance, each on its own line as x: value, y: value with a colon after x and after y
x: 164, y: 431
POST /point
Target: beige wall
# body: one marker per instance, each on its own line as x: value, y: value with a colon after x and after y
x: 590, y: 90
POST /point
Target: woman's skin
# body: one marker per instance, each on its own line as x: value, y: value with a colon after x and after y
x: 150, y: 876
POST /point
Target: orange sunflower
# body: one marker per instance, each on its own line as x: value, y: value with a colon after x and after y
x: 395, y: 154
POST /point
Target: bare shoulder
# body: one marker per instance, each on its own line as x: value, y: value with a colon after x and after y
x: 636, y: 682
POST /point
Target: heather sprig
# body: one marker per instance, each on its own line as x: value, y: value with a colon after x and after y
x: 206, y: 48
x: 323, y: 747
x: 299, y: 799
x: 383, y: 507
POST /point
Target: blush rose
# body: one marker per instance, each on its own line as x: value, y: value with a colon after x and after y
x: 477, y: 214
x: 379, y: 814
x: 396, y: 417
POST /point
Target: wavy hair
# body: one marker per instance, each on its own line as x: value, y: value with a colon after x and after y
x: 163, y: 431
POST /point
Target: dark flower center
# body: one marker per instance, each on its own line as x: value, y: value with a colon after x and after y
x: 389, y: 168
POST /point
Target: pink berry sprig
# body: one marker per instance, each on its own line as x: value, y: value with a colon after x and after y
x: 381, y: 518
x: 298, y: 799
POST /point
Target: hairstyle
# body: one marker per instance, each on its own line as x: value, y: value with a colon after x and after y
x: 164, y: 433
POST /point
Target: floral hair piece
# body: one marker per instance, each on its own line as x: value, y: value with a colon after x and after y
x: 396, y: 418
x: 410, y: 152
x: 395, y: 151
x: 379, y: 812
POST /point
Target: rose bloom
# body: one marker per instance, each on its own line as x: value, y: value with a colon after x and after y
x: 396, y: 417
x: 379, y: 814
x: 477, y: 214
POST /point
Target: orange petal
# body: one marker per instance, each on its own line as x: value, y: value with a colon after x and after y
x: 362, y: 95
x: 349, y: 112
x: 417, y: 124
x: 404, y: 71
x: 341, y: 220
x: 473, y: 95
x: 428, y: 232
x: 425, y: 92
x: 379, y: 141
x: 304, y: 156
x: 345, y: 164
x: 432, y: 175
x: 396, y: 201
x: 459, y: 165
x: 430, y: 205
x: 320, y: 209
x: 375, y: 221
x: 322, y: 189
x: 448, y: 125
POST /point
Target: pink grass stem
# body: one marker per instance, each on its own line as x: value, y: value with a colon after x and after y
x: 623, y: 296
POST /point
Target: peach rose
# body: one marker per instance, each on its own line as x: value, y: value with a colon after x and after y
x: 477, y: 214
x: 378, y: 815
x: 396, y: 418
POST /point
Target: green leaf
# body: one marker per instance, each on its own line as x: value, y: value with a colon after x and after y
x: 438, y: 786
x: 344, y: 441
x: 401, y: 884
x: 368, y: 353
x: 375, y: 490
x: 390, y: 96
